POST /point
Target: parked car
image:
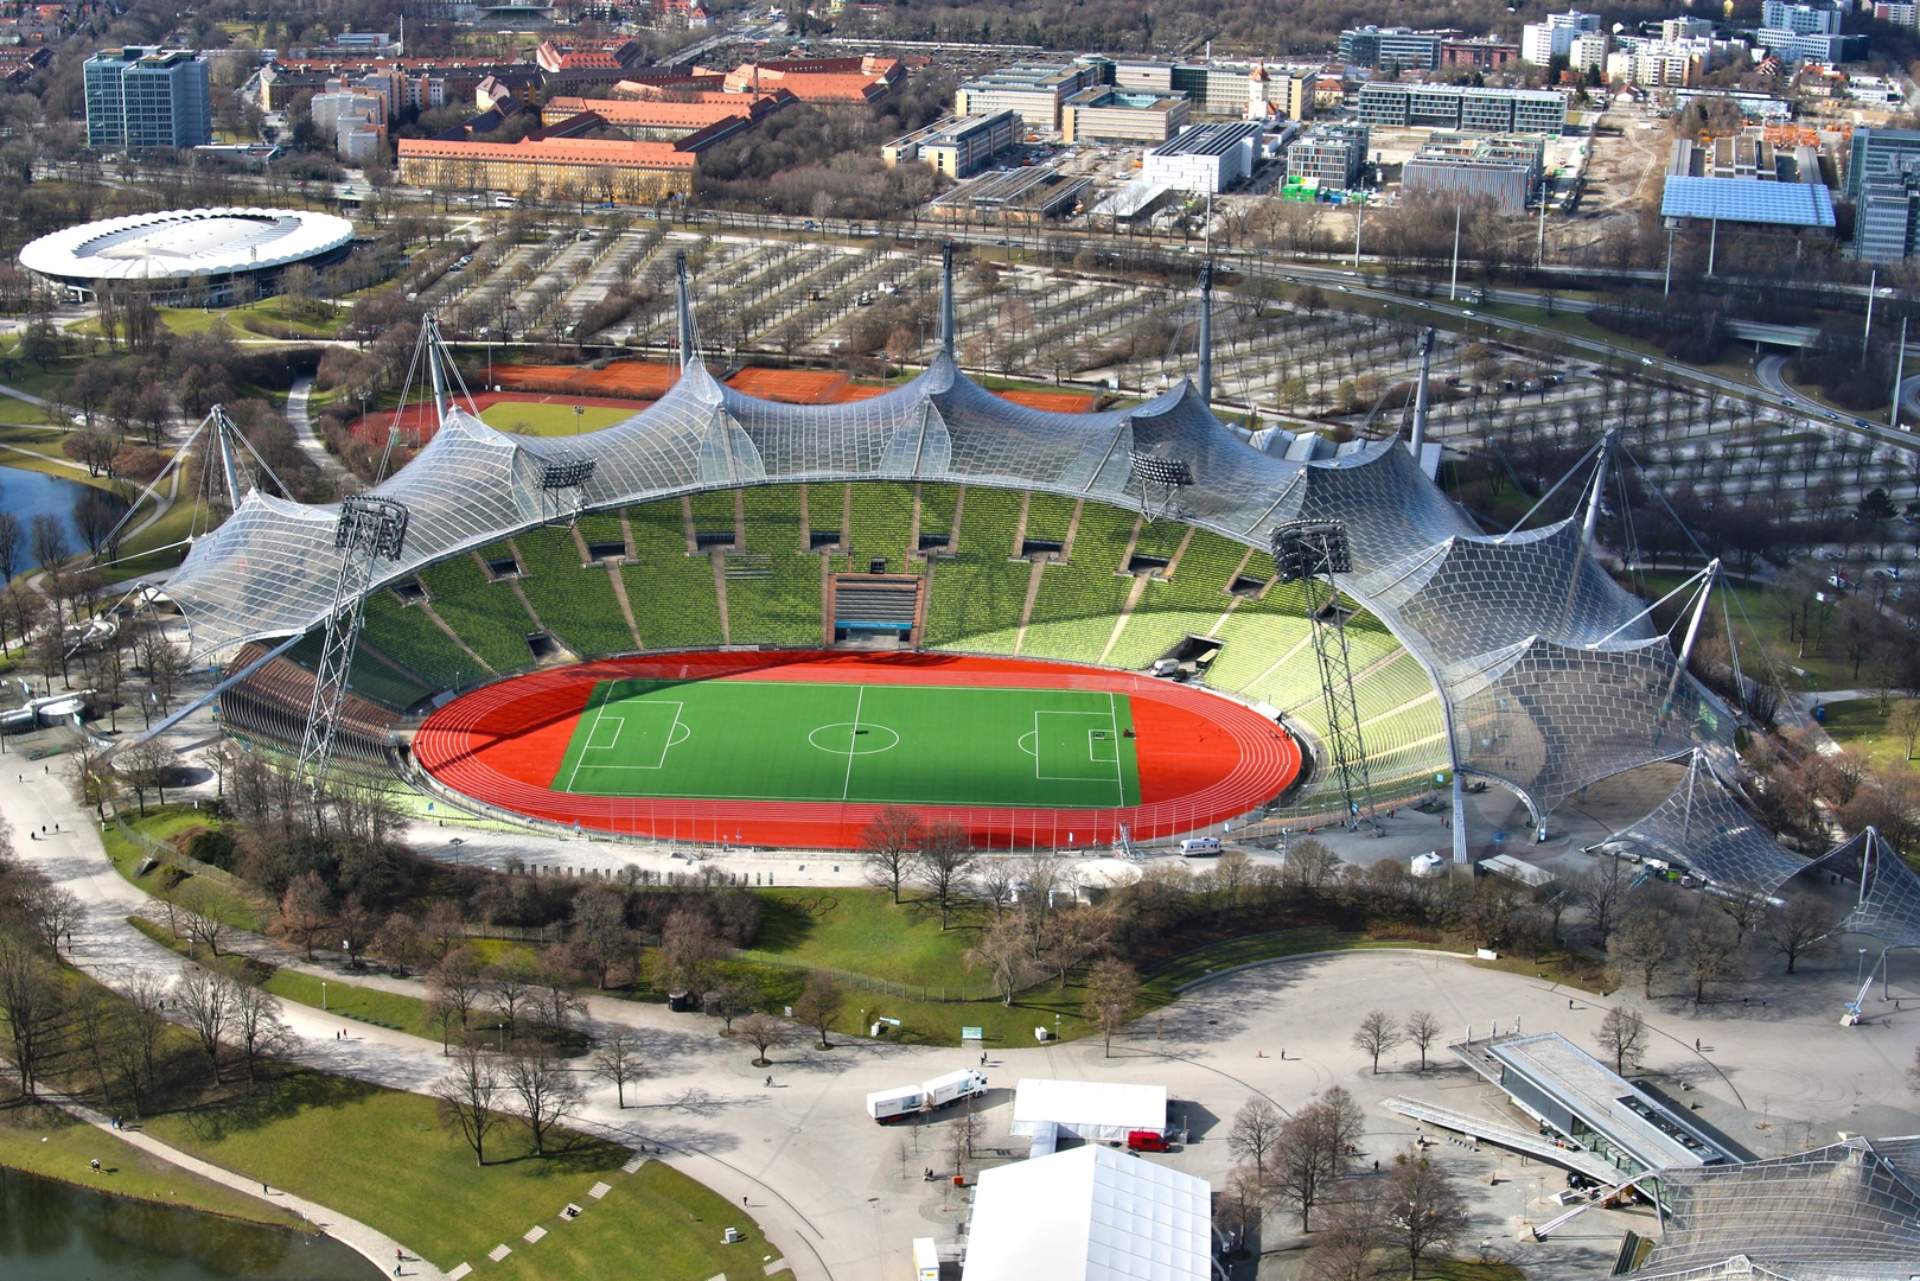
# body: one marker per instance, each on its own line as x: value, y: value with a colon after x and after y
x: 1146, y: 1141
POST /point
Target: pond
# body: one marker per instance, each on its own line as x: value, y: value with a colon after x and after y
x: 28, y: 494
x: 50, y: 1231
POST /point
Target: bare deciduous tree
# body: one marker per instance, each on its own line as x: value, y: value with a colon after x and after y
x: 887, y: 845
x: 617, y: 1061
x: 1376, y: 1035
x: 469, y: 1098
x: 1421, y: 1029
x: 763, y: 1032
x: 1113, y: 989
x: 1800, y: 927
x: 1256, y: 1128
x: 818, y: 1004
x: 205, y: 998
x: 942, y: 866
x: 1623, y: 1034
x: 1423, y: 1210
x: 546, y: 1088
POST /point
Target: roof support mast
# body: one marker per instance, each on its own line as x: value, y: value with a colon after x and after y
x: 436, y: 351
x: 1590, y: 524
x: 1206, y: 332
x: 1419, y: 440
x: 946, y: 299
x: 223, y: 433
x: 683, y: 308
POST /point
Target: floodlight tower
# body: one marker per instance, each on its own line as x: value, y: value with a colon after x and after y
x: 1307, y: 551
x: 371, y: 529
x: 1169, y: 475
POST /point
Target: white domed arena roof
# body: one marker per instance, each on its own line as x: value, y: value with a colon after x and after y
x: 185, y: 243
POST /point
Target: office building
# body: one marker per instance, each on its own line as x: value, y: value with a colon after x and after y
x: 1502, y: 168
x: 1483, y: 53
x: 1542, y: 42
x: 1793, y: 46
x: 957, y: 146
x: 1886, y: 218
x: 1031, y: 90
x: 142, y: 96
x: 1102, y: 114
x: 1463, y: 107
x: 1206, y: 159
x: 1332, y: 156
x: 1817, y: 18
x: 1392, y: 48
x: 1237, y: 89
x: 632, y: 173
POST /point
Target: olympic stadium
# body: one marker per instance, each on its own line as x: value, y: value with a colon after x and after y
x: 187, y: 256
x: 729, y: 620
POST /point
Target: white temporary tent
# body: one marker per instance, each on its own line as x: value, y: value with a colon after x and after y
x: 1091, y: 1110
x: 1092, y: 1214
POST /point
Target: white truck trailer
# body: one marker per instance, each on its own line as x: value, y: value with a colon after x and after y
x: 928, y: 1096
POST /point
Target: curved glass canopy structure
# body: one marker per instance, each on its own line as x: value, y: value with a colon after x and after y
x: 1550, y: 679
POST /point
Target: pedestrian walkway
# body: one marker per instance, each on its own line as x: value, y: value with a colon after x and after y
x: 386, y: 1253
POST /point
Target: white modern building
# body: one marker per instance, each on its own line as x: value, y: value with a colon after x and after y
x: 1092, y: 1214
x: 1206, y: 159
x: 187, y: 256
x: 1542, y: 42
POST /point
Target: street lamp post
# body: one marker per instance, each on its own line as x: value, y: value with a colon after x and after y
x: 323, y: 995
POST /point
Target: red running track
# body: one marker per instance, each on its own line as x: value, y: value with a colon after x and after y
x: 1203, y: 759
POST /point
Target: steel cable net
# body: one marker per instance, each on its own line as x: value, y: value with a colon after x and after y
x: 1468, y: 596
x: 1849, y: 1211
x: 1702, y: 827
x: 1548, y: 719
x: 1888, y: 908
x: 1531, y: 710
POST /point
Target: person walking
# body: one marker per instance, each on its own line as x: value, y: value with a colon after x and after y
x: 769, y: 1083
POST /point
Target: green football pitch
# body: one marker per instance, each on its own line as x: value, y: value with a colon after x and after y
x: 911, y: 744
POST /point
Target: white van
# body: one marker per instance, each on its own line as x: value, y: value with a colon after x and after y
x: 1200, y: 847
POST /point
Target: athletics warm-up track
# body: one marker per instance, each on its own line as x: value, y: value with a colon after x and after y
x: 802, y: 750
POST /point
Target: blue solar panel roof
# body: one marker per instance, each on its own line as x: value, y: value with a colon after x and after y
x: 1785, y: 204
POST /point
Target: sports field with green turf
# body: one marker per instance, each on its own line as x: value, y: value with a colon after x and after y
x: 875, y: 744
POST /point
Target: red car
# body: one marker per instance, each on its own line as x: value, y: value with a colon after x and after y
x: 1146, y: 1141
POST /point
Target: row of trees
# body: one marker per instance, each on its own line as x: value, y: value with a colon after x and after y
x: 1305, y: 1164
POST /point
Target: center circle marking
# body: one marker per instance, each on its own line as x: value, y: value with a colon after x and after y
x: 879, y: 738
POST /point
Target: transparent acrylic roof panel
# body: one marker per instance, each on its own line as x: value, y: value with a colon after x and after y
x: 1701, y: 826
x: 1501, y: 622
x: 1849, y: 1210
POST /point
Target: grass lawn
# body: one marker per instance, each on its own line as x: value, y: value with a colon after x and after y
x: 1162, y: 984
x: 336, y: 996
x: 163, y: 825
x: 846, y: 742
x: 46, y: 1141
x: 1858, y: 724
x: 1762, y: 615
x: 657, y: 1223
x: 534, y: 418
x: 382, y: 1157
x: 861, y: 931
